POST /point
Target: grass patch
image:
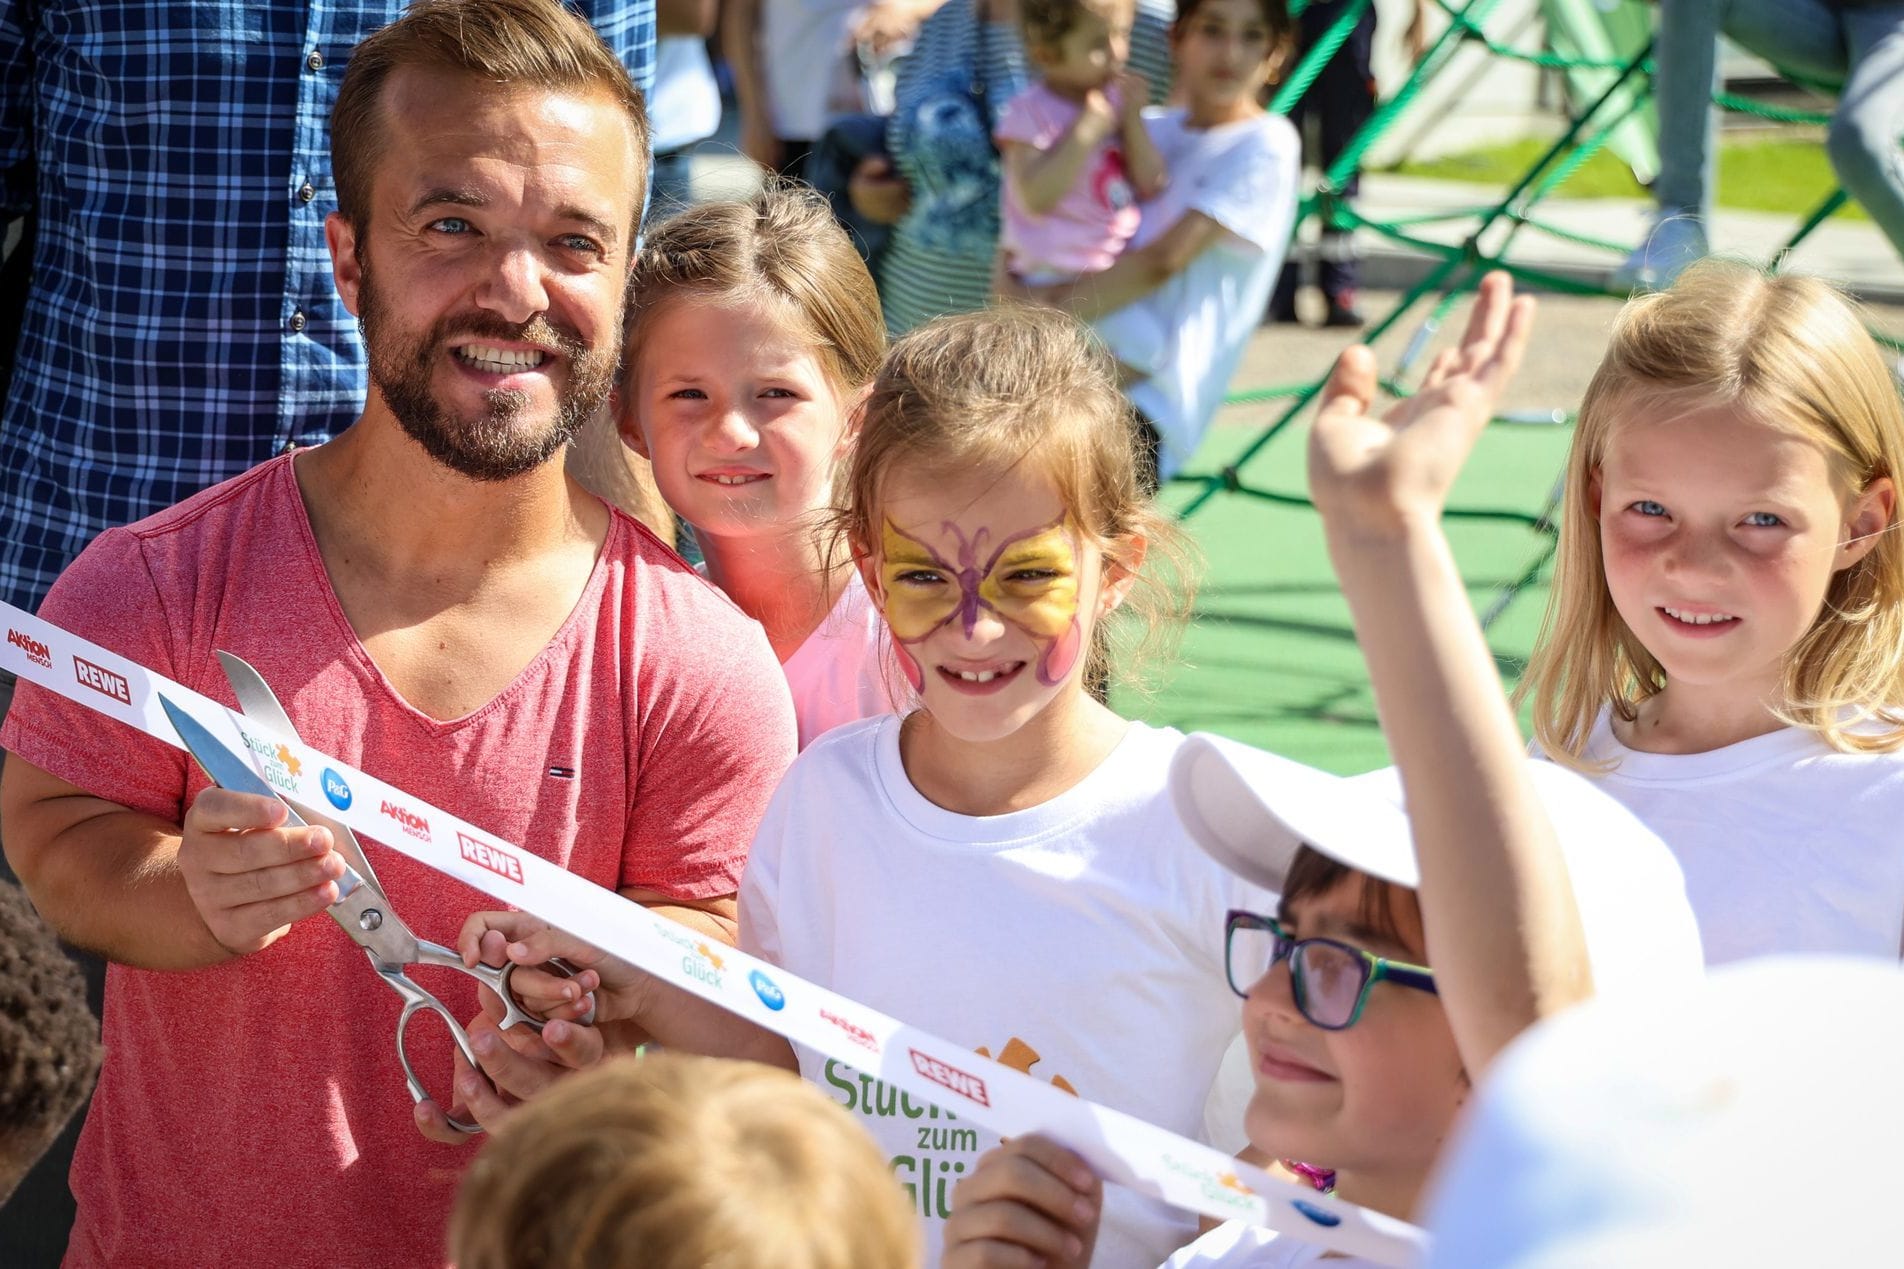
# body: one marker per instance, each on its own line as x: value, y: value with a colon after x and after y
x: 1785, y: 175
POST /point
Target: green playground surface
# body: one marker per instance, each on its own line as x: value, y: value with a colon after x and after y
x: 1270, y: 657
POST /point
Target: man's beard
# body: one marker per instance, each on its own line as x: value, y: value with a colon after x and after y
x: 494, y: 446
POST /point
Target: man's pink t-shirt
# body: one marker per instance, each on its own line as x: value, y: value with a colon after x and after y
x: 255, y: 1113
x: 1095, y: 218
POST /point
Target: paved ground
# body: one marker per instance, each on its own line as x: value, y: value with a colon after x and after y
x: 1271, y: 657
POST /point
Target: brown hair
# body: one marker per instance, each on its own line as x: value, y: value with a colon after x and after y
x: 1047, y: 22
x: 1275, y: 14
x: 781, y: 245
x: 1388, y: 909
x: 49, y: 1039
x: 986, y: 391
x: 506, y: 42
x: 677, y: 1162
x: 1791, y: 353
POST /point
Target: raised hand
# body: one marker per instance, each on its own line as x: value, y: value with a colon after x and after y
x: 1371, y: 476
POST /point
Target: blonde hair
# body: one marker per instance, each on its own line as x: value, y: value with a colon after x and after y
x: 676, y: 1162
x: 986, y: 391
x: 782, y: 246
x: 538, y: 43
x: 1792, y: 353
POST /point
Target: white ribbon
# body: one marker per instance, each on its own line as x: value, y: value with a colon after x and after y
x: 1120, y: 1147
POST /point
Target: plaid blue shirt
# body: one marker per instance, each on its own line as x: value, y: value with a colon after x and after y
x: 182, y: 324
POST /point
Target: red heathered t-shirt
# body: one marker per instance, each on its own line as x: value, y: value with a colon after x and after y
x: 254, y: 1113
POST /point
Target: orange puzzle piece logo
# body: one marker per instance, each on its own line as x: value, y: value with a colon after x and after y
x: 291, y: 764
x: 709, y: 957
x: 1021, y: 1057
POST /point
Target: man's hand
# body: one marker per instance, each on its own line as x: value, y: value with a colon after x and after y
x: 1371, y: 477
x: 878, y: 192
x: 249, y: 876
x: 1030, y: 1204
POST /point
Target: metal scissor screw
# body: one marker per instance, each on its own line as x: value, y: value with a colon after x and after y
x: 370, y: 919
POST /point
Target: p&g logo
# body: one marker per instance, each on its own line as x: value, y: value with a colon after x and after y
x: 336, y: 790
x: 768, y: 991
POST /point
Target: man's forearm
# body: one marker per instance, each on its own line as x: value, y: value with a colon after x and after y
x: 111, y: 884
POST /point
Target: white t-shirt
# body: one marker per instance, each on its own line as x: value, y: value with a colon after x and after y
x: 1787, y: 844
x: 840, y: 675
x: 1234, y: 1245
x: 1243, y: 176
x: 1080, y: 940
x: 685, y: 105
x: 805, y: 46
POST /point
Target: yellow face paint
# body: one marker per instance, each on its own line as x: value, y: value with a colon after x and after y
x: 1030, y: 580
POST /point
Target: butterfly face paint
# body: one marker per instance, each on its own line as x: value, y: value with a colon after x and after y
x: 1029, y: 580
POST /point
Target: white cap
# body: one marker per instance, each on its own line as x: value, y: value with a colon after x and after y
x: 1252, y: 811
x: 1753, y: 1121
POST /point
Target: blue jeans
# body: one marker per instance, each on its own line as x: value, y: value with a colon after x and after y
x: 1860, y: 49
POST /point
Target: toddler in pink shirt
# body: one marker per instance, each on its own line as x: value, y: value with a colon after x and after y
x: 1077, y: 159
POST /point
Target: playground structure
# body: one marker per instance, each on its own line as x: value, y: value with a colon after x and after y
x: 1613, y: 97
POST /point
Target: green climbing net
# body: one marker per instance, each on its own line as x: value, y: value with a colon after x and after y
x: 1457, y: 268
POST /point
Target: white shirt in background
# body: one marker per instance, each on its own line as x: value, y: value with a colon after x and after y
x: 841, y: 674
x: 1243, y: 176
x: 1787, y: 844
x: 806, y: 58
x: 1234, y: 1245
x: 685, y: 105
x: 1080, y: 940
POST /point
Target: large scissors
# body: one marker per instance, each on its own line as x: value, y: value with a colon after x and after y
x: 362, y: 908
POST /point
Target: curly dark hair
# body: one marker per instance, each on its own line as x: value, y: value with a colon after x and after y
x: 49, y: 1039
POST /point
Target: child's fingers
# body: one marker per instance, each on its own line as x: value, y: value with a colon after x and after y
x: 470, y: 940
x: 1351, y: 387
x: 1438, y: 370
x: 1062, y: 1163
x: 547, y: 943
x: 989, y: 1253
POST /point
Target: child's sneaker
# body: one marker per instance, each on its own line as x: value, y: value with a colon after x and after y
x: 1676, y: 239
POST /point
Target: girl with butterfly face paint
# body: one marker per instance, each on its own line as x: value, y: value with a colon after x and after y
x: 1003, y: 862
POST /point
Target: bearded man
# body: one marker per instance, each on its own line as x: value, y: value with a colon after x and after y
x: 433, y: 601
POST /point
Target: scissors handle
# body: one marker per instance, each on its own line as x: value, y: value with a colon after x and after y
x: 417, y: 1000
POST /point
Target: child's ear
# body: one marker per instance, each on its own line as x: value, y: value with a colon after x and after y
x: 1593, y: 495
x: 869, y: 574
x: 855, y: 419
x: 1870, y: 516
x: 1123, y: 563
x: 626, y: 423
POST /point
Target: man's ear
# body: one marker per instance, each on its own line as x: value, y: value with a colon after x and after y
x: 1123, y: 563
x: 621, y: 409
x: 1870, y: 516
x: 346, y: 267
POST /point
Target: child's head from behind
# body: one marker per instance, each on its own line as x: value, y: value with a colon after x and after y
x: 672, y: 1162
x: 1729, y: 509
x: 1077, y: 45
x: 994, y: 504
x: 1226, y: 50
x: 49, y: 1039
x: 753, y: 328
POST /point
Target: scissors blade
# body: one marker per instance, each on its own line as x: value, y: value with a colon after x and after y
x: 258, y: 701
x: 229, y: 771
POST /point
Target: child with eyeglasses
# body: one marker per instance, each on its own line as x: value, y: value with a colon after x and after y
x: 1410, y: 946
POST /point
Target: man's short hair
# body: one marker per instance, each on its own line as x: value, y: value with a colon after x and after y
x: 49, y: 1039
x: 504, y: 42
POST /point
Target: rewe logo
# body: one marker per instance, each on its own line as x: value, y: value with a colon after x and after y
x: 409, y: 821
x: 102, y: 680
x: 494, y: 858
x: 943, y: 1073
x: 36, y: 652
